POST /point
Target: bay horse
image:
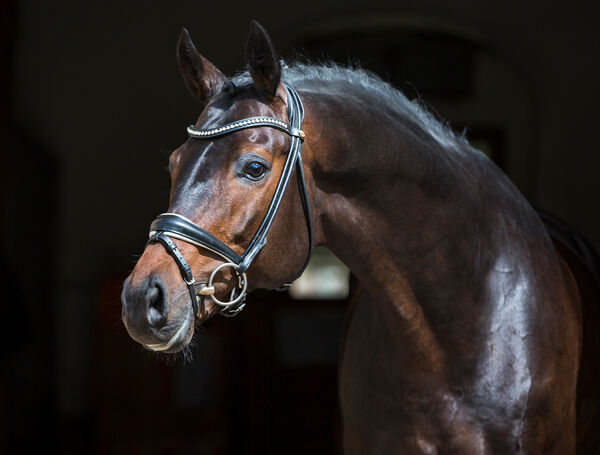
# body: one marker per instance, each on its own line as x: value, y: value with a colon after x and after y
x: 467, y: 337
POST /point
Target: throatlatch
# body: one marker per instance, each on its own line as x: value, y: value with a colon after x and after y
x: 177, y: 226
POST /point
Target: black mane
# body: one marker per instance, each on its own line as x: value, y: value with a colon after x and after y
x: 298, y: 73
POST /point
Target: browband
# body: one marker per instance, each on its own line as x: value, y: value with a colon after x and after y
x: 177, y: 226
x: 251, y: 122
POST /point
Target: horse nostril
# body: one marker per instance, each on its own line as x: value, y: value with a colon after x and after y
x: 157, y: 305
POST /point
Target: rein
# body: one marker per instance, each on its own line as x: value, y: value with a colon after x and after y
x: 172, y: 225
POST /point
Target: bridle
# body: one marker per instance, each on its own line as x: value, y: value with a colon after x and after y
x: 172, y: 225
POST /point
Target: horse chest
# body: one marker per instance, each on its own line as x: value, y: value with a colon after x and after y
x: 388, y: 406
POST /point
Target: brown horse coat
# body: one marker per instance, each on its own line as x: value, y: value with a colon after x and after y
x: 467, y: 337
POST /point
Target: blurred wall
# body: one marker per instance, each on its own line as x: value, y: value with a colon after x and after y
x: 98, y: 95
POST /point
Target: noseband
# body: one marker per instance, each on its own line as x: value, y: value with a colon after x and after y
x: 172, y: 225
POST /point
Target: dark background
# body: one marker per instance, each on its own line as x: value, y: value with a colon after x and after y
x: 92, y: 103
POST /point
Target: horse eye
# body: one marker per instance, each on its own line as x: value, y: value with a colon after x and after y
x: 255, y: 170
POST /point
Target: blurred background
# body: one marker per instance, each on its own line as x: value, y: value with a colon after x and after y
x: 91, y: 105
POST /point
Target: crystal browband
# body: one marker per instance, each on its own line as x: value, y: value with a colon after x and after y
x: 243, y: 124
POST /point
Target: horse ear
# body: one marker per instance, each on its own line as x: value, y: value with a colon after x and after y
x: 201, y: 76
x: 262, y: 61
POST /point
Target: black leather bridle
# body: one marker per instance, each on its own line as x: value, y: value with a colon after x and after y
x: 172, y: 225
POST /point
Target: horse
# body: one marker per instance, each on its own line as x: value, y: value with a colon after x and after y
x: 467, y: 335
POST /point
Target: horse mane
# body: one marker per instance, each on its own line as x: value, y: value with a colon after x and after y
x: 415, y: 111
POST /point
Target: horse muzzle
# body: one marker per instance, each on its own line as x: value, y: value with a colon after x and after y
x: 153, y: 321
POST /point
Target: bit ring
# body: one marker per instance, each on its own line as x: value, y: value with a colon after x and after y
x: 243, y: 284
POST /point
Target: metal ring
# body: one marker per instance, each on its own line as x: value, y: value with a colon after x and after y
x: 235, y: 309
x: 241, y: 279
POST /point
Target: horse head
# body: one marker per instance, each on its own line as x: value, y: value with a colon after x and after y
x: 224, y: 184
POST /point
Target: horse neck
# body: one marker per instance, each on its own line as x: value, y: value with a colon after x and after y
x: 385, y: 188
x: 402, y: 211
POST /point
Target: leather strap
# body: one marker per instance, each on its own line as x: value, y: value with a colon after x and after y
x: 296, y: 119
x: 184, y: 267
x: 307, y: 213
x: 180, y: 227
